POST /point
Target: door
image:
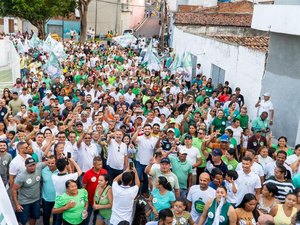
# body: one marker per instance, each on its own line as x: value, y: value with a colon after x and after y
x: 11, y: 25
x: 194, y: 64
x: 217, y: 75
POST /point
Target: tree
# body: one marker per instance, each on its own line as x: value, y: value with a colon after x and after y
x: 37, y: 12
x: 83, y: 9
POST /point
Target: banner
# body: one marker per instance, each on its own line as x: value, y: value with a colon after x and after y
x: 52, y: 67
x: 150, y: 59
x: 125, y: 40
x: 175, y: 64
x: 7, y: 214
x: 20, y: 47
x: 59, y: 52
x: 35, y: 42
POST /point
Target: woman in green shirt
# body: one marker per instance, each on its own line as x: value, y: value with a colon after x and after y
x: 218, y: 210
x: 73, y: 204
x: 103, y: 200
x: 282, y: 145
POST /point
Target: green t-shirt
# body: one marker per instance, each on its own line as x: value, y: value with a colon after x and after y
x: 197, y: 143
x: 220, y: 124
x: 73, y: 215
x: 231, y: 165
x: 136, y: 91
x: 181, y: 170
x: 288, y: 152
x: 244, y: 120
x: 200, y: 99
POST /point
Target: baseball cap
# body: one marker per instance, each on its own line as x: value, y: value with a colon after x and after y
x: 267, y: 94
x: 66, y: 98
x: 79, y: 123
x: 183, y: 151
x: 188, y: 136
x: 257, y: 129
x: 172, y: 120
x: 29, y: 101
x: 171, y: 129
x: 165, y: 160
x: 48, y: 92
x: 224, y: 138
x: 216, y: 152
x: 29, y: 161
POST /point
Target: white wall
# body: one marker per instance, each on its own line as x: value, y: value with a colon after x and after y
x: 277, y: 18
x: 244, y: 67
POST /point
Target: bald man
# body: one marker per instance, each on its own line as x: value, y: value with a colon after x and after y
x: 265, y: 219
x: 198, y: 195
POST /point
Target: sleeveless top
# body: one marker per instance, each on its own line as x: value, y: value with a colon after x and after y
x: 12, y: 128
x: 281, y: 218
x: 224, y: 219
x: 103, y: 200
x: 265, y: 209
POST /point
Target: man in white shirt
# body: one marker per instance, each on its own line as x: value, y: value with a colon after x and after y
x: 122, y: 209
x: 198, y: 195
x: 117, y: 158
x: 129, y: 96
x: 266, y: 105
x: 248, y: 181
x: 237, y: 130
x: 25, y: 96
x: 293, y: 160
x: 146, y: 146
x: 86, y: 151
x: 255, y: 167
x: 270, y: 167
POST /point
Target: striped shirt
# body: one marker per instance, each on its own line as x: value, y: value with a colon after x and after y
x: 284, y: 187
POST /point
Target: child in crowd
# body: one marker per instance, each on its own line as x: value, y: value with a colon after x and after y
x: 181, y: 216
x: 230, y: 184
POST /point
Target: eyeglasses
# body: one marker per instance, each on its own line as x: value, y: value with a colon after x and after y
x: 88, y: 138
x: 201, y: 133
x: 61, y: 137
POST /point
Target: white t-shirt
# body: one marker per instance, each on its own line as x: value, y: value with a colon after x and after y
x: 237, y: 133
x: 146, y: 148
x: 265, y: 106
x: 17, y: 165
x: 59, y: 182
x: 264, y: 161
x: 200, y: 197
x: 291, y: 159
x: 231, y: 197
x: 255, y: 168
x: 122, y: 208
x: 86, y: 155
x: 129, y: 98
x: 270, y: 167
x: 116, y: 154
x: 247, y: 184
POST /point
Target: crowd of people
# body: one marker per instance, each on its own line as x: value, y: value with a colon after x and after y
x: 110, y: 142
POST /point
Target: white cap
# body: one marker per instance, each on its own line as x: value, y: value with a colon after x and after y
x: 171, y: 129
x: 267, y: 94
x: 66, y: 98
x: 183, y: 151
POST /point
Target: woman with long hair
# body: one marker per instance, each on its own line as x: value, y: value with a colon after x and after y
x: 161, y: 197
x: 103, y: 200
x: 285, y: 212
x: 267, y: 199
x: 282, y: 180
x: 247, y: 213
x: 218, y: 210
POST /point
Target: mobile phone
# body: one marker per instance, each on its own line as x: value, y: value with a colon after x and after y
x: 131, y: 165
x: 69, y: 155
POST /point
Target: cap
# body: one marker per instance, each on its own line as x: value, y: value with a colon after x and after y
x: 96, y: 101
x: 82, y: 93
x: 267, y: 94
x: 29, y: 161
x: 139, y: 117
x: 48, y: 91
x: 139, y: 111
x: 171, y: 129
x: 188, y: 136
x: 172, y: 120
x: 216, y: 152
x: 224, y: 138
x: 165, y: 160
x: 29, y: 101
x: 183, y: 151
x: 66, y: 98
x: 257, y: 129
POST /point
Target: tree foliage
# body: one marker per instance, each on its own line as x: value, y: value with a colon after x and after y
x: 38, y: 12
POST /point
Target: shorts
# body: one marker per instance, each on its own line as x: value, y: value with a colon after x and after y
x: 30, y: 211
x: 99, y: 217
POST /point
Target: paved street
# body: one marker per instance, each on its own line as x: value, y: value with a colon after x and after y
x: 150, y: 27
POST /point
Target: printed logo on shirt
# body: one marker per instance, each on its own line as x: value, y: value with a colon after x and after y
x: 210, y: 215
x: 93, y: 179
x: 2, y: 113
x: 4, y: 162
x: 222, y: 219
x: 154, y: 200
x: 38, y: 178
x: 28, y: 181
x: 182, y: 220
x: 230, y: 167
x: 199, y: 205
x: 223, y: 123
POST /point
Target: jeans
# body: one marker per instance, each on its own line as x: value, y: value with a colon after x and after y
x: 90, y: 212
x: 58, y: 220
x: 47, y: 210
x: 142, y: 176
x: 30, y: 211
x: 183, y: 193
x: 113, y: 173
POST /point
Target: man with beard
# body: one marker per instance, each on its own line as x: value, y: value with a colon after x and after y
x: 117, y: 158
x: 146, y: 146
x: 5, y: 159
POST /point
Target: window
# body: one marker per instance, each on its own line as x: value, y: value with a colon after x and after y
x: 217, y: 75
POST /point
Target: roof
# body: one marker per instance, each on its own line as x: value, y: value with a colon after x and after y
x: 257, y: 42
x: 224, y: 14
